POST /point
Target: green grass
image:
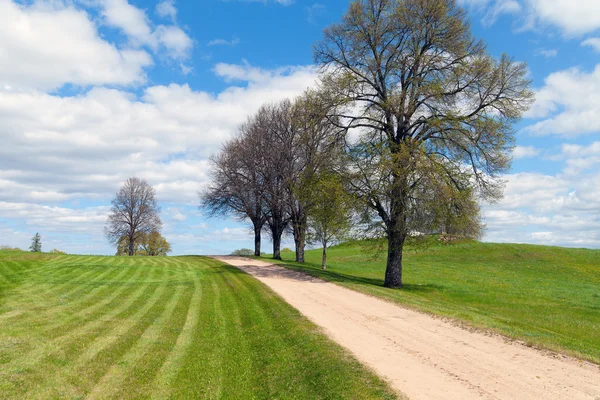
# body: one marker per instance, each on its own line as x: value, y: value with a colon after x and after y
x: 177, y: 327
x: 545, y: 296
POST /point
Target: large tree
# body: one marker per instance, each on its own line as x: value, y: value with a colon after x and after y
x: 134, y: 212
x: 236, y: 184
x: 433, y: 109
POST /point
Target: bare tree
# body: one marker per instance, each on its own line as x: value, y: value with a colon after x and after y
x: 134, y: 212
x: 270, y: 135
x: 236, y: 184
x: 430, y: 103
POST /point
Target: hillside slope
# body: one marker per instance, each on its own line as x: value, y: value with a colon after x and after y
x: 545, y: 296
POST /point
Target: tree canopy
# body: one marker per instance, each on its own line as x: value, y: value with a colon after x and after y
x: 433, y: 110
x: 134, y: 213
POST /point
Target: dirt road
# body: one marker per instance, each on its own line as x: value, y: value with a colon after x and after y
x: 424, y: 357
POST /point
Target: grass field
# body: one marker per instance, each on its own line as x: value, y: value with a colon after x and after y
x: 545, y: 296
x: 178, y: 327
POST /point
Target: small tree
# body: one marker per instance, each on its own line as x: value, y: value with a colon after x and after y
x: 36, y: 243
x: 134, y: 212
x: 331, y: 214
x: 153, y: 244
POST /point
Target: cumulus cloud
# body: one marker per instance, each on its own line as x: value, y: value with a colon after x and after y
x: 547, y: 209
x: 594, y: 43
x: 568, y: 104
x: 85, y: 145
x: 166, y: 9
x: 136, y: 26
x: 525, y: 152
x: 572, y: 17
x: 39, y: 50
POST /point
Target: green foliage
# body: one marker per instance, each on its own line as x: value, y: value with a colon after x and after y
x: 147, y: 244
x: 287, y: 250
x: 243, y: 253
x: 10, y: 248
x: 55, y: 251
x: 77, y: 327
x: 36, y: 243
x: 544, y: 296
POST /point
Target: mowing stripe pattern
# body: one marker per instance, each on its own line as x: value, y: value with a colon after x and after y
x: 177, y: 327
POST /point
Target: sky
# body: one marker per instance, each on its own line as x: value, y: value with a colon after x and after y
x: 95, y: 91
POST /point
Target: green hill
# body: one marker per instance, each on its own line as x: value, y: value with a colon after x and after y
x: 176, y: 327
x: 545, y: 296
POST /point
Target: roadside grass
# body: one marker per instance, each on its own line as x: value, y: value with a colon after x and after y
x: 171, y: 327
x: 547, y: 297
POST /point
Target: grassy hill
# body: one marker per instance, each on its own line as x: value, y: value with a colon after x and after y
x: 177, y: 327
x: 545, y: 296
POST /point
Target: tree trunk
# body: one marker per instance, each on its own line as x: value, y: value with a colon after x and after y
x: 131, y: 246
x: 324, y: 258
x: 393, y: 270
x: 300, y: 241
x: 299, y: 223
x: 396, y: 233
x: 277, y: 245
x: 257, y: 231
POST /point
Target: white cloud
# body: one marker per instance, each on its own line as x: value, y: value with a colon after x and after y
x: 176, y: 42
x: 166, y: 9
x: 594, y: 43
x: 38, y: 49
x: 86, y: 145
x: 223, y: 42
x: 547, y: 209
x: 548, y: 53
x: 136, y: 26
x: 525, y: 152
x: 572, y: 17
x: 569, y: 104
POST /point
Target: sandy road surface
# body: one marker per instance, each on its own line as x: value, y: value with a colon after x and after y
x: 424, y: 357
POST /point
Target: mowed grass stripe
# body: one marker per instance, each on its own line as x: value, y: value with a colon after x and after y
x: 141, y: 363
x: 163, y: 384
x: 177, y: 327
x: 78, y: 312
x: 134, y: 305
x: 101, y: 333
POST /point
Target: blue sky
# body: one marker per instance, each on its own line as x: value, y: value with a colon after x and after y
x: 95, y: 91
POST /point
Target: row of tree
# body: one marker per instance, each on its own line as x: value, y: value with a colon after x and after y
x: 412, y: 120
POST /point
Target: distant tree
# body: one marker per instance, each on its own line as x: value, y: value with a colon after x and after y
x: 331, y: 217
x: 148, y: 244
x: 56, y: 251
x: 134, y: 212
x: 430, y: 105
x: 36, y: 243
x: 153, y: 244
x: 242, y: 253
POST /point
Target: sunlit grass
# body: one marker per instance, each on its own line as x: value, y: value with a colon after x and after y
x: 177, y: 327
x: 545, y: 296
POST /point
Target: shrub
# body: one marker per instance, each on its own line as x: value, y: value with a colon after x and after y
x: 243, y: 253
x: 287, y: 250
x: 55, y: 251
